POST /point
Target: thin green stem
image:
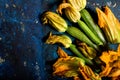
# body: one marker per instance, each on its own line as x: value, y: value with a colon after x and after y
x: 87, y: 18
x: 77, y: 52
x: 78, y: 34
x: 89, y: 33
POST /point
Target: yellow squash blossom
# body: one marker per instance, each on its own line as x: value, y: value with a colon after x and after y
x: 71, y: 13
x: 112, y: 63
x: 55, y: 20
x: 67, y: 66
x: 110, y: 25
x: 77, y: 4
x: 74, y: 16
x: 63, y: 39
x: 87, y: 51
x: 67, y: 43
x: 88, y: 73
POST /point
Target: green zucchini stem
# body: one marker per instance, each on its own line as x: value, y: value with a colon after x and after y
x: 87, y: 18
x: 77, y: 52
x: 89, y: 33
x: 78, y: 34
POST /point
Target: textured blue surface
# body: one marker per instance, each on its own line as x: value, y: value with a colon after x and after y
x: 23, y: 54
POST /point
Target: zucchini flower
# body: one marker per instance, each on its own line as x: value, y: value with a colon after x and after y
x: 71, y: 13
x: 63, y: 39
x: 59, y: 24
x: 55, y: 20
x: 88, y: 73
x: 77, y: 4
x: 87, y: 51
x: 67, y: 66
x: 110, y: 25
x: 112, y: 63
x: 74, y: 16
x: 67, y: 43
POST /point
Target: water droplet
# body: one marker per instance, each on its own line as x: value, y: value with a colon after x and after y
x: 25, y: 63
x: 0, y: 38
x: 6, y: 5
x: 2, y: 60
x: 14, y: 5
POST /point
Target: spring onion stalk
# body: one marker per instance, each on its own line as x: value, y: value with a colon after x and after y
x: 67, y: 43
x: 60, y: 25
x: 85, y: 15
x: 74, y: 16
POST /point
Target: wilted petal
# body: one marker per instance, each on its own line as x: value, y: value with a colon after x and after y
x: 67, y: 66
x: 77, y: 78
x: 115, y: 78
x: 71, y: 13
x: 77, y: 4
x: 88, y: 73
x: 87, y: 51
x: 61, y: 53
x: 63, y: 39
x: 106, y: 70
x: 55, y: 20
x: 114, y: 72
x: 111, y: 60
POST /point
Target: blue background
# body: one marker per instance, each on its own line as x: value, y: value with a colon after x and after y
x: 23, y: 53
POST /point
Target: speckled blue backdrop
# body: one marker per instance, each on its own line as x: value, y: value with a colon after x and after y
x: 23, y: 54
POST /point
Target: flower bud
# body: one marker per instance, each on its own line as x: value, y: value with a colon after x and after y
x: 87, y: 51
x: 67, y: 66
x: 63, y: 39
x: 110, y: 25
x: 77, y: 4
x: 71, y: 13
x: 55, y: 20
